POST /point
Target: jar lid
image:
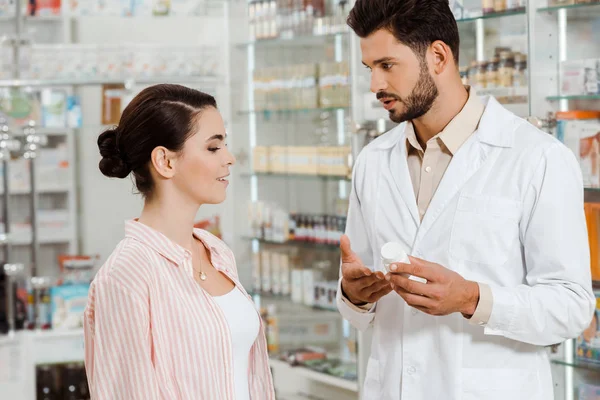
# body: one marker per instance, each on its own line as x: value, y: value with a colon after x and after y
x: 392, y: 252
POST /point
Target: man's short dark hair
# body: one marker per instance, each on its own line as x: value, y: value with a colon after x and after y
x: 415, y: 23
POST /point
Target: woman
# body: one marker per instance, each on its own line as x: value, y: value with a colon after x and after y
x: 166, y: 316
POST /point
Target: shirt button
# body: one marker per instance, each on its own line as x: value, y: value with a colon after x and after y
x: 428, y: 169
x: 411, y: 370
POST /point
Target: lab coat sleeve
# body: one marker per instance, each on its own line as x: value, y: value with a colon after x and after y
x: 557, y: 301
x: 356, y: 230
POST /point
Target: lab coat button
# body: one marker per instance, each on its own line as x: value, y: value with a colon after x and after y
x: 411, y: 370
x: 414, y: 311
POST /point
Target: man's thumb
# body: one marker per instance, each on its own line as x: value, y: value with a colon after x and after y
x: 345, y: 247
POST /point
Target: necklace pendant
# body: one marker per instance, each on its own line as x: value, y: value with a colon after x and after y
x: 202, y: 276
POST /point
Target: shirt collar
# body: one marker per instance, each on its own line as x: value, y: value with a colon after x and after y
x: 162, y: 244
x: 458, y: 130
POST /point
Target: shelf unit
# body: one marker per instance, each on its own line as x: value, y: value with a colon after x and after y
x: 95, y: 200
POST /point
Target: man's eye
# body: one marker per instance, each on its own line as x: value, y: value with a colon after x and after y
x: 386, y: 66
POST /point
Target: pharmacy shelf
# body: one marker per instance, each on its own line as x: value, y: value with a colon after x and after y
x: 41, y: 190
x: 269, y: 112
x: 581, y: 9
x: 128, y: 81
x: 330, y: 380
x: 286, y: 307
x: 300, y: 41
x: 58, y: 239
x: 578, y: 365
x: 584, y: 97
x: 296, y: 176
x: 297, y: 243
x: 493, y: 16
x: 44, y: 18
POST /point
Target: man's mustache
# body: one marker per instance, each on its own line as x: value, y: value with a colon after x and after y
x: 385, y: 95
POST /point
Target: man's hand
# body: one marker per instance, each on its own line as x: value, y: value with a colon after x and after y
x: 359, y: 283
x: 445, y: 292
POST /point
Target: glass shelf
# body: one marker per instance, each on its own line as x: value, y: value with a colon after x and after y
x: 298, y: 243
x: 292, y: 110
x: 583, y: 97
x: 297, y: 176
x: 303, y: 40
x: 579, y: 365
x: 206, y: 80
x: 493, y: 16
x: 569, y: 7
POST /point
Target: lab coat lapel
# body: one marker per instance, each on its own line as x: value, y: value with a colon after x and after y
x: 465, y: 163
x: 401, y: 176
x: 496, y: 131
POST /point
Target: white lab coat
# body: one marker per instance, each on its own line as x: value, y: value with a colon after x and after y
x: 509, y: 213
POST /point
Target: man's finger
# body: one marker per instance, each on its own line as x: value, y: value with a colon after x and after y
x: 414, y: 300
x: 411, y: 286
x: 418, y: 268
x: 352, y: 272
x: 348, y: 256
x: 376, y: 285
x: 375, y: 296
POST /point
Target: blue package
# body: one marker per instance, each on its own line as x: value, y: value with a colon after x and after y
x: 68, y: 303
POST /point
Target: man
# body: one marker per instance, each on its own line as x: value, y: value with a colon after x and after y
x: 490, y: 208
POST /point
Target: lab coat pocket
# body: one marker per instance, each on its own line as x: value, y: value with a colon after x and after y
x: 485, y: 229
x: 372, y: 387
x: 499, y: 384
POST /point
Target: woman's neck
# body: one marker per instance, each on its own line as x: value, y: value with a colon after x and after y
x: 172, y: 219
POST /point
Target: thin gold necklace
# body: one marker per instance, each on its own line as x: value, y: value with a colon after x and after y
x: 201, y: 273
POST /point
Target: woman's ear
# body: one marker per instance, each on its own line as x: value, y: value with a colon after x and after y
x: 163, y: 161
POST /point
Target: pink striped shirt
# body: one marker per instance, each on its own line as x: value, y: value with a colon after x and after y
x: 151, y: 332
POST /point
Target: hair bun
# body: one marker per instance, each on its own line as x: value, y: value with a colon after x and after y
x: 112, y: 164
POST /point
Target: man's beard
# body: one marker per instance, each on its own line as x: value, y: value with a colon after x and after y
x: 419, y: 102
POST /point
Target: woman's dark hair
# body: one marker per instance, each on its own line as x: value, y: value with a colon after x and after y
x: 415, y: 23
x: 161, y: 115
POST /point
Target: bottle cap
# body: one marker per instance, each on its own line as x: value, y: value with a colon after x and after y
x: 393, y: 252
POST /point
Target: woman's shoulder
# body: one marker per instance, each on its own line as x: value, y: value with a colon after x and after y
x: 127, y: 266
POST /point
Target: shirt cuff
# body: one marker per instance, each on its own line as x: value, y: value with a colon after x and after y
x: 484, y: 307
x: 364, y: 308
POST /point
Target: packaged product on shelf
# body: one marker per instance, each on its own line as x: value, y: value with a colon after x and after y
x: 334, y: 84
x: 588, y: 343
x: 499, y: 6
x: 7, y: 9
x: 272, y: 329
x: 265, y: 267
x: 278, y: 159
x: 592, y: 218
x: 284, y: 261
x: 325, y: 293
x: 256, y: 273
x: 261, y: 158
x: 20, y: 106
x: 68, y: 303
x: 297, y: 284
x: 161, y: 7
x: 275, y: 274
x: 487, y: 6
x: 580, y: 131
x: 310, y: 277
x: 587, y: 391
x: 579, y: 77
x: 43, y: 8
x: 77, y: 269
x: 54, y: 108
x: 74, y: 113
x: 7, y: 63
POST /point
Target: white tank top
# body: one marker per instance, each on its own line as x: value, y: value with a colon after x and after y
x: 244, y: 325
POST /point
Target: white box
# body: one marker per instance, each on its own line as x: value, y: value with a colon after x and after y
x: 297, y: 286
x: 579, y: 77
x: 581, y: 136
x: 266, y: 271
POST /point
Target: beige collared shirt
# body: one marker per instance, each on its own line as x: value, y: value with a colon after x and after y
x: 427, y: 167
